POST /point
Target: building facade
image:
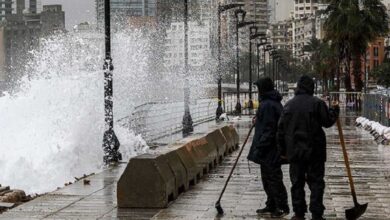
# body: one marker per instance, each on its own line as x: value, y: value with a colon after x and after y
x: 307, y: 24
x: 121, y: 10
x: 52, y: 19
x: 199, y: 47
x: 22, y: 32
x: 281, y: 34
x: 6, y: 8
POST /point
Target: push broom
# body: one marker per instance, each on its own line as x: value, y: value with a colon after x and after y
x: 218, y: 203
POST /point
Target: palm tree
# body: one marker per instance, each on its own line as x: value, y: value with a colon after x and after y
x: 350, y: 26
x: 323, y: 60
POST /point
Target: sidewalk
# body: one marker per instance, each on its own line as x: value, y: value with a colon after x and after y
x: 370, y: 164
x: 371, y: 169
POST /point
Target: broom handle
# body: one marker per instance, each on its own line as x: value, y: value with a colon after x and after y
x: 235, y: 163
x: 346, y: 160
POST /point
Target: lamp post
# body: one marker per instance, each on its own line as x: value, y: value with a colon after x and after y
x: 272, y: 74
x: 267, y: 49
x: 110, y: 141
x: 240, y: 23
x: 187, y: 119
x: 221, y: 9
x: 252, y: 35
x: 263, y: 42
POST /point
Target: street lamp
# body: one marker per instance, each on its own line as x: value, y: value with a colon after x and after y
x: 187, y: 119
x: 221, y: 9
x: 110, y: 141
x: 252, y: 35
x: 263, y: 42
x: 269, y: 50
x: 273, y: 55
x: 240, y: 23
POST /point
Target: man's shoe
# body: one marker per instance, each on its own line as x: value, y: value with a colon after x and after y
x: 295, y: 217
x: 317, y: 218
x: 267, y: 211
x: 278, y: 213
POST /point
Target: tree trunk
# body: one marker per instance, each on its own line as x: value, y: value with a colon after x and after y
x: 347, y: 73
x: 357, y: 73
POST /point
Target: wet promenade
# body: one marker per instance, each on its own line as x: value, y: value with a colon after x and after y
x: 370, y: 164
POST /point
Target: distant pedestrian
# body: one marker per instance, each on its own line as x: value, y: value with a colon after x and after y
x: 302, y: 142
x: 264, y: 150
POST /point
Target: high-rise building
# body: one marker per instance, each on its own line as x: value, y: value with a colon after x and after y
x: 33, y: 6
x: 199, y: 50
x: 52, y: 19
x: 281, y: 34
x: 22, y: 31
x: 305, y: 8
x: 6, y: 8
x: 307, y: 24
x: 26, y: 6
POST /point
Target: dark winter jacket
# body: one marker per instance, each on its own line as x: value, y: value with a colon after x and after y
x: 300, y: 133
x: 264, y: 149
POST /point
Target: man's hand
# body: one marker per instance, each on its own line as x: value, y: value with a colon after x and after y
x: 254, y: 120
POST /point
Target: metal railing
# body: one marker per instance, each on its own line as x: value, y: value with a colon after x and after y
x: 347, y: 100
x: 352, y: 101
x: 230, y: 101
x: 156, y: 120
x: 376, y: 107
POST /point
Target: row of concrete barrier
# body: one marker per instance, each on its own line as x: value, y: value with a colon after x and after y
x: 154, y: 180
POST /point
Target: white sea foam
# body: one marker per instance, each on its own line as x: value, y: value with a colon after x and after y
x: 52, y: 127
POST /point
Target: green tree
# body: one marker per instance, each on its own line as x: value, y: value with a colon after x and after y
x: 323, y: 60
x: 350, y: 26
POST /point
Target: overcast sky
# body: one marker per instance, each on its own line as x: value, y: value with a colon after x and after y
x: 76, y: 11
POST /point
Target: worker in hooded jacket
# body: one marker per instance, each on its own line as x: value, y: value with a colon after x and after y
x: 264, y: 150
x: 302, y: 141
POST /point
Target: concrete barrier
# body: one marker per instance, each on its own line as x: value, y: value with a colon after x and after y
x: 179, y: 171
x: 230, y: 143
x: 153, y: 180
x: 193, y: 170
x: 219, y: 141
x: 235, y: 136
x: 147, y: 181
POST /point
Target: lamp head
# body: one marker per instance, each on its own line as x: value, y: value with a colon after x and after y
x: 253, y: 30
x: 240, y: 15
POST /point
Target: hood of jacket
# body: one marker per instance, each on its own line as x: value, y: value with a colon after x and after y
x: 265, y: 85
x: 305, y: 86
x: 271, y: 95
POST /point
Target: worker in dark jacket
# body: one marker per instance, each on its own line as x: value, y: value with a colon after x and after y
x: 264, y: 150
x: 302, y: 142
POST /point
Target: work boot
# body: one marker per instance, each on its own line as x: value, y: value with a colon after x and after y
x: 267, y: 211
x: 297, y: 217
x: 278, y: 213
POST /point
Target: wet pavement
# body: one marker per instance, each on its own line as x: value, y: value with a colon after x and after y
x: 370, y: 167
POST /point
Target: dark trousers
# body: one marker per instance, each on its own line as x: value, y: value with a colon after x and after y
x: 272, y: 178
x: 313, y: 174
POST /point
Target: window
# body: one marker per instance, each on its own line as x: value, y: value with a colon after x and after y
x: 376, y: 52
